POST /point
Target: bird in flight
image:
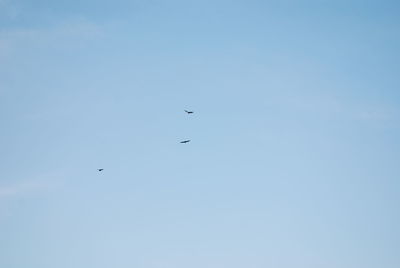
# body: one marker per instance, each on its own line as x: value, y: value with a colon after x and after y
x: 189, y: 112
x: 100, y: 169
x: 186, y: 141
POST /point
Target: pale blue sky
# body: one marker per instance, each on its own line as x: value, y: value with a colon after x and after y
x: 295, y: 137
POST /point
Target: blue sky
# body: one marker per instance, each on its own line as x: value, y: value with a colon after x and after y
x: 295, y: 137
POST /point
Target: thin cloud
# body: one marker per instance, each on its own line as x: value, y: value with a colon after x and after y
x: 63, y: 35
x: 347, y: 109
x: 25, y: 188
x: 9, y: 10
x: 70, y: 29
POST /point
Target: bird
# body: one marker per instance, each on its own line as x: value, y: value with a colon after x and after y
x: 186, y: 141
x: 100, y: 169
x: 189, y: 112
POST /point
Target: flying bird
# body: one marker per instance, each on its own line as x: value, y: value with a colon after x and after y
x: 100, y: 169
x: 186, y: 141
x: 189, y: 112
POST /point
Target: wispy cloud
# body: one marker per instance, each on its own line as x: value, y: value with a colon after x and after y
x: 71, y: 29
x: 330, y: 106
x: 26, y: 188
x: 61, y: 35
x: 9, y: 10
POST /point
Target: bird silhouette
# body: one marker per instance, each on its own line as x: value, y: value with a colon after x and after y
x: 100, y: 169
x: 189, y: 112
x: 186, y: 141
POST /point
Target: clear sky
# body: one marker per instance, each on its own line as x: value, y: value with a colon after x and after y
x: 294, y: 158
